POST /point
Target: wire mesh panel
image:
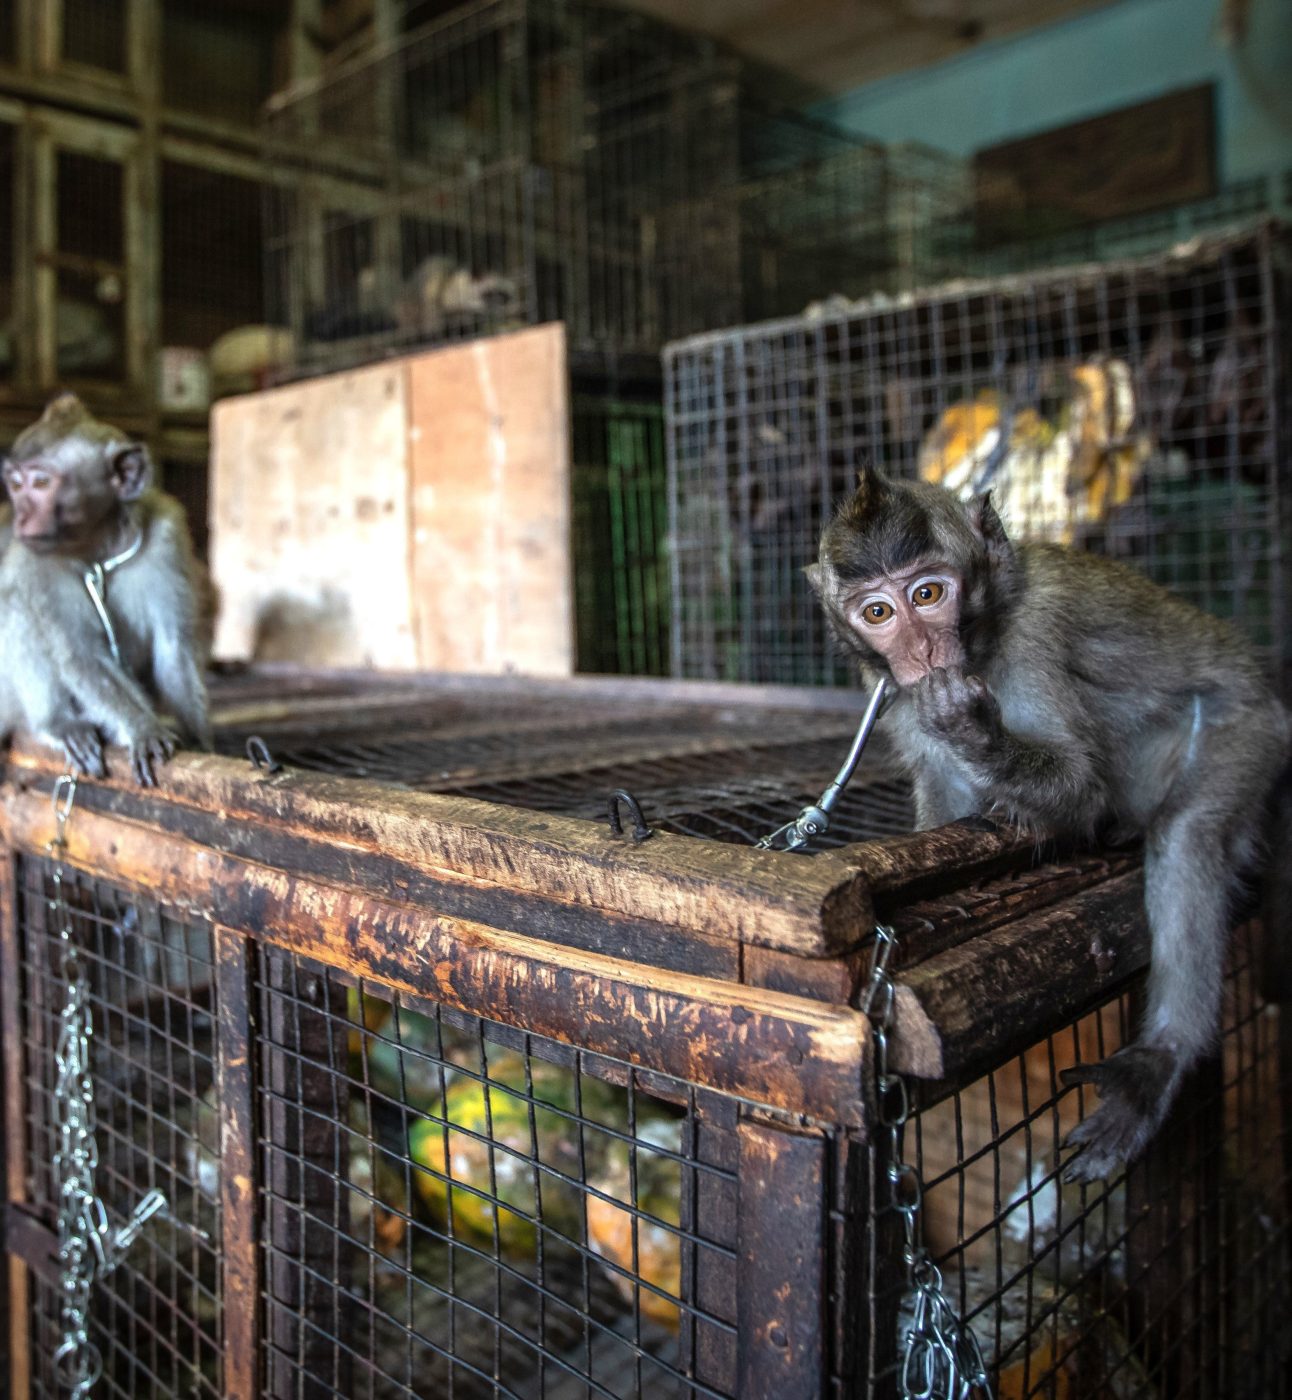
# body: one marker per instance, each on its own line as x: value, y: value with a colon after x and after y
x: 713, y: 773
x: 157, y: 1316
x: 535, y: 160
x: 1169, y: 1279
x: 1137, y: 409
x: 482, y: 1212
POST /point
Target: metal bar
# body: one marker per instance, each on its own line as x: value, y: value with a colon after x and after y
x: 239, y: 1197
x: 14, y: 1033
x: 780, y: 1263
x: 305, y: 1118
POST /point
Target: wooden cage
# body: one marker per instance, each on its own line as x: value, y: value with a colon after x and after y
x: 452, y: 1091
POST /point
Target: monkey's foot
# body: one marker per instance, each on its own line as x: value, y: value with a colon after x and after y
x: 84, y: 748
x: 147, y: 753
x: 1135, y: 1090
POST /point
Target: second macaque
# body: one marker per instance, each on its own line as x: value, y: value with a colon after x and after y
x: 98, y: 610
x: 1063, y: 692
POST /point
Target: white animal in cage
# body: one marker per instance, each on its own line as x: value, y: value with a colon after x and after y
x: 440, y: 290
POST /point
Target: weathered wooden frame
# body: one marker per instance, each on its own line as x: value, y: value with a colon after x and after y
x: 731, y: 968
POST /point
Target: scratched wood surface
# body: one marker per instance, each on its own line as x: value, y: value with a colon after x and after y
x: 310, y: 522
x: 414, y: 514
x: 489, y: 463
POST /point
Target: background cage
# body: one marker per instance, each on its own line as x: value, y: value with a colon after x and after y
x: 533, y: 160
x: 451, y: 1091
x: 1139, y: 409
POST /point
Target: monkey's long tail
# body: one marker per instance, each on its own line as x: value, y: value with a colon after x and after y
x: 1276, y: 910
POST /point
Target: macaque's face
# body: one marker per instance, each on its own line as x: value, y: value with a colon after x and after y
x: 42, y: 503
x: 63, y: 494
x: 910, y: 618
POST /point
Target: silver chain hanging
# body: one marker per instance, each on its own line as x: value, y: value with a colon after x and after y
x: 941, y: 1358
x: 88, y: 1248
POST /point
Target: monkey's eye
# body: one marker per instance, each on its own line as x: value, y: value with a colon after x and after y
x: 39, y: 481
x: 876, y: 611
x: 925, y: 594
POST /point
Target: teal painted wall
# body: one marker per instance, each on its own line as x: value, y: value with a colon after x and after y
x: 1112, y: 57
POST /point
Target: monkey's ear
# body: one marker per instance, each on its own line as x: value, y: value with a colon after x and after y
x: 870, y: 478
x: 813, y: 574
x: 985, y: 520
x: 130, y: 470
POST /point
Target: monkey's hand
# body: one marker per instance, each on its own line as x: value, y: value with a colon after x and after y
x: 1135, y: 1086
x: 147, y: 752
x: 83, y: 747
x: 959, y: 709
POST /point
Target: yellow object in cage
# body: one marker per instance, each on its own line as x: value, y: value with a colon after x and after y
x: 505, y: 1156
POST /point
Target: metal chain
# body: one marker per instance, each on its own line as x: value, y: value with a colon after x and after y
x: 88, y: 1248
x: 941, y: 1358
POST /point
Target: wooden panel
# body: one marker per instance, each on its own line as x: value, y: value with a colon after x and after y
x: 310, y: 525
x: 490, y: 468
x: 1124, y: 162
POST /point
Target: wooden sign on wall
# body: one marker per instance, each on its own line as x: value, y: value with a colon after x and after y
x: 411, y: 515
x: 1138, y: 158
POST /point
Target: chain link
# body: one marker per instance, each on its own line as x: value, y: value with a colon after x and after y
x: 941, y: 1358
x: 88, y: 1249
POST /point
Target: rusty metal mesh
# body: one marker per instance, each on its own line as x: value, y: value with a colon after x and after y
x: 728, y: 774
x: 156, y: 1318
x: 481, y: 1211
x: 1172, y: 1280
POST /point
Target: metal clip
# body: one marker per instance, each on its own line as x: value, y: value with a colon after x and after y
x: 149, y: 1205
x: 640, y: 830
x: 62, y: 798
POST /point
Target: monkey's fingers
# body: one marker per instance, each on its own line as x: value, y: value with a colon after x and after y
x: 84, y: 750
x: 147, y: 755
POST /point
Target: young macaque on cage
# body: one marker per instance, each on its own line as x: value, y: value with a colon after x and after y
x: 98, y: 608
x: 1063, y: 692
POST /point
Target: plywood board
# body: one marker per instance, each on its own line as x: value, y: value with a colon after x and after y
x: 412, y: 514
x: 310, y: 522
x: 489, y: 456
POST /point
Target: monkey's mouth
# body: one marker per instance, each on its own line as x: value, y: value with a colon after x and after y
x: 40, y: 544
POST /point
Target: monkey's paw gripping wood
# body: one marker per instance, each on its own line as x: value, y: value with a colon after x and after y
x: 452, y: 1091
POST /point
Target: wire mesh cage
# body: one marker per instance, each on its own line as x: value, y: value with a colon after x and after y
x: 1137, y: 409
x: 534, y: 160
x: 449, y: 1093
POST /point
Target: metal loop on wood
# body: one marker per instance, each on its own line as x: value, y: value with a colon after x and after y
x: 640, y: 830
x: 258, y: 753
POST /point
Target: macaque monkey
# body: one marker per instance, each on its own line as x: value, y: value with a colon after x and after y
x: 97, y: 602
x: 1063, y: 692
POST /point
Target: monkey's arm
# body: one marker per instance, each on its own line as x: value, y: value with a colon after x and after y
x: 179, y: 684
x: 171, y: 601
x: 1052, y: 785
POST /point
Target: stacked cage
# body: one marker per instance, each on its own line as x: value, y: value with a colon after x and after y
x: 503, y: 166
x: 523, y: 161
x: 1137, y: 409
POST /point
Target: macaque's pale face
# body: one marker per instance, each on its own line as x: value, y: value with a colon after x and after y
x: 910, y: 618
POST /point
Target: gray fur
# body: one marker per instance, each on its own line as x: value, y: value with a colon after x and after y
x: 1091, y: 701
x: 59, y: 679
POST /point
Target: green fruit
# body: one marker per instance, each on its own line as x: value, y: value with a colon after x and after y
x: 483, y: 1166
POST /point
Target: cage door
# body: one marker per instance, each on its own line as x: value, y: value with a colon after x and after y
x: 94, y: 268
